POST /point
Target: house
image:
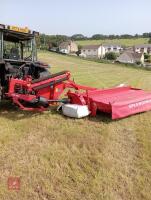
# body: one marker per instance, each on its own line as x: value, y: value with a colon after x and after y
x: 68, y: 47
x: 131, y: 57
x: 93, y: 51
x: 143, y: 48
x: 99, y: 51
x: 112, y: 48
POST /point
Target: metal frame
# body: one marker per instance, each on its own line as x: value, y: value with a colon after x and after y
x: 34, y: 49
x: 1, y: 45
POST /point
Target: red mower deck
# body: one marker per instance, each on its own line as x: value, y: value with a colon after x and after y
x: 120, y: 102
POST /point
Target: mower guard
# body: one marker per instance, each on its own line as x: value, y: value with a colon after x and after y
x: 120, y: 102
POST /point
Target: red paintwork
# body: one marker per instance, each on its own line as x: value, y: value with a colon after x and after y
x: 119, y: 102
x: 50, y: 89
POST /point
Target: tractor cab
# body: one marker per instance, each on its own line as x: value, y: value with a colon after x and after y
x: 17, y: 44
x: 18, y: 55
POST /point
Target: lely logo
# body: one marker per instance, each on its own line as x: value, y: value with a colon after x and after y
x: 13, y: 183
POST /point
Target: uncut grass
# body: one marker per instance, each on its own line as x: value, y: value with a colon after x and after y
x: 124, y: 42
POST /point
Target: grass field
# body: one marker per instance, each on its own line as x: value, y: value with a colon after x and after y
x: 58, y: 158
x: 125, y: 42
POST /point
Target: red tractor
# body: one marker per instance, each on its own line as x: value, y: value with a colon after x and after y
x: 18, y: 58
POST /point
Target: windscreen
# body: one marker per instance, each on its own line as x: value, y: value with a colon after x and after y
x: 18, y: 51
x: 12, y: 51
x: 27, y: 50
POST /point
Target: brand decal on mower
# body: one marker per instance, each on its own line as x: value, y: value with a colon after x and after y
x: 138, y: 104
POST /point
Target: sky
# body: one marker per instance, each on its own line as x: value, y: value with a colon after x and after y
x: 88, y: 17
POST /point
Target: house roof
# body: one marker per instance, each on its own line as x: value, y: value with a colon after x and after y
x: 143, y: 46
x: 66, y: 43
x: 136, y: 55
x: 132, y: 55
x: 91, y: 47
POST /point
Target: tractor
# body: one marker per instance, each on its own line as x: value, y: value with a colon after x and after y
x: 18, y: 56
x: 24, y: 80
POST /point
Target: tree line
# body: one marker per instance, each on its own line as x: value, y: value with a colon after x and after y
x: 102, y: 37
x: 48, y: 41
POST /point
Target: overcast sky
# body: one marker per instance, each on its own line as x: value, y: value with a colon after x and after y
x: 79, y: 16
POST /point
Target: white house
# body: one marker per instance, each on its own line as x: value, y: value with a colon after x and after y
x: 112, y: 48
x: 143, y: 48
x: 68, y: 47
x: 99, y: 51
x: 93, y: 51
x: 131, y: 57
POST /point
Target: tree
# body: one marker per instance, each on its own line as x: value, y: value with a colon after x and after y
x: 78, y: 37
x: 98, y: 37
x: 145, y: 35
x: 126, y: 36
x: 149, y: 59
x: 111, y: 37
x: 79, y: 50
x: 47, y: 41
x: 111, y: 56
x: 136, y: 35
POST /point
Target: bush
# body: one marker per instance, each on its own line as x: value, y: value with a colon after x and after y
x: 146, y: 56
x: 149, y: 59
x: 138, y: 63
x: 111, y: 56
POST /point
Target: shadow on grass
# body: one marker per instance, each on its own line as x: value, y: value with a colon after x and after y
x: 102, y: 117
x: 12, y: 112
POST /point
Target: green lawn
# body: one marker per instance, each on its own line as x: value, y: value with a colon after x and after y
x: 125, y: 42
x: 59, y: 158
